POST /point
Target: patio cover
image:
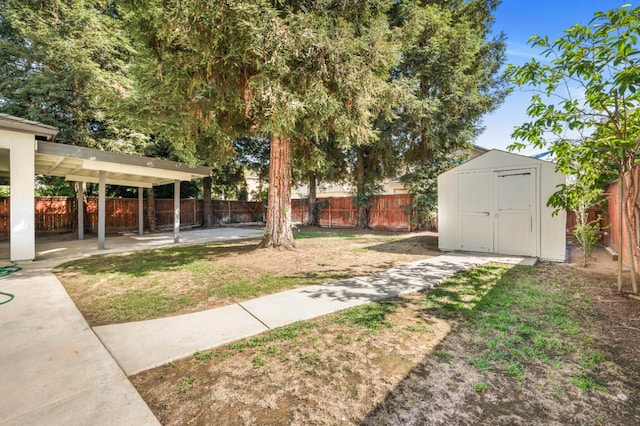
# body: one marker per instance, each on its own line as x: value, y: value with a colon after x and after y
x: 21, y: 161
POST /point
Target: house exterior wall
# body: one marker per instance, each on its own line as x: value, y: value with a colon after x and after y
x: 21, y: 148
x: 549, y: 229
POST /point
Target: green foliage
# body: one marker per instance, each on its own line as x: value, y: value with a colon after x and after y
x: 370, y: 316
x: 524, y: 317
x: 205, y: 355
x: 64, y: 63
x: 288, y: 332
x: 453, y: 68
x: 588, y: 234
x: 422, y: 182
x: 480, y: 387
x: 447, y: 79
x: 585, y: 108
x: 54, y: 186
x: 269, y: 68
x: 598, y: 60
x: 186, y: 384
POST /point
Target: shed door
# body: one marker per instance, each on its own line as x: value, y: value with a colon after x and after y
x: 475, y: 203
x: 515, y: 225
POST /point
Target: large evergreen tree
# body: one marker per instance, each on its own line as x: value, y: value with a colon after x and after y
x: 64, y: 63
x: 286, y: 71
x: 450, y: 70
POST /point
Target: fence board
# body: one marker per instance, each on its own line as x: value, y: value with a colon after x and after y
x: 386, y: 212
x: 592, y: 214
x: 391, y: 212
x: 238, y: 211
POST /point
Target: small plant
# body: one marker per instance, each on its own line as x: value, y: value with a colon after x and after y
x: 271, y: 350
x: 418, y: 328
x: 205, y: 355
x: 310, y: 358
x: 370, y: 316
x: 480, y: 387
x: 258, y: 361
x: 343, y: 340
x: 443, y: 356
x: 514, y: 368
x: 587, y: 384
x: 481, y: 364
x: 588, y: 235
x: 185, y: 384
x: 591, y: 361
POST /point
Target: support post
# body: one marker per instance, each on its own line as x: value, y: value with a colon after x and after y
x: 80, y: 208
x: 22, y: 213
x: 176, y: 212
x: 140, y: 211
x: 102, y: 191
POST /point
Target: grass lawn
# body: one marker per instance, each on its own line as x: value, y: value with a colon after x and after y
x: 155, y: 283
x: 494, y: 345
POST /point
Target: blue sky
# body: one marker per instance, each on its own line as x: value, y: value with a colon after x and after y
x: 520, y: 19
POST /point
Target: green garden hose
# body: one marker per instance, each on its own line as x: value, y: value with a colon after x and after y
x: 4, y: 271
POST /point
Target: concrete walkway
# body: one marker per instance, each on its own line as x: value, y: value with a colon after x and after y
x: 54, y: 370
x: 142, y: 345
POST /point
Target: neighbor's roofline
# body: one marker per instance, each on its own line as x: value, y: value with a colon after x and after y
x: 10, y: 122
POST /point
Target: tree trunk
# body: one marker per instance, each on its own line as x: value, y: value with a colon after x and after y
x: 629, y: 205
x: 206, y: 202
x: 582, y: 221
x: 313, y: 218
x: 278, y: 231
x: 363, y: 207
x: 151, y: 209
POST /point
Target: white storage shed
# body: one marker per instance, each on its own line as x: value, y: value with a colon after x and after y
x: 497, y: 203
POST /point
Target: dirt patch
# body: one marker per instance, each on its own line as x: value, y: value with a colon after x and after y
x: 557, y: 391
x: 569, y: 357
x: 330, y: 373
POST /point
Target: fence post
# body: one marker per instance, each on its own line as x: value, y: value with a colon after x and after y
x: 101, y: 208
x: 80, y: 208
x: 176, y: 211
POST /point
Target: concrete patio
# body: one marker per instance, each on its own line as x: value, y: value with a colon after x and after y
x: 53, y: 368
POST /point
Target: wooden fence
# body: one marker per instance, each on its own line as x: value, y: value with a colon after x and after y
x: 592, y: 214
x: 58, y: 214
x: 387, y: 212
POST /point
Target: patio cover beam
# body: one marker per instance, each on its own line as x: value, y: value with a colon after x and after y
x: 110, y: 181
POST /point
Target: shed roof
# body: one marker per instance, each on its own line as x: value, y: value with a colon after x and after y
x: 497, y: 159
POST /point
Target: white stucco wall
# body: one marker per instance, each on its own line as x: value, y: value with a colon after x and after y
x: 550, y: 230
x: 21, y: 148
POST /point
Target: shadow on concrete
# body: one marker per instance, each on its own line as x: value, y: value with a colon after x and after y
x: 410, y: 278
x: 420, y: 244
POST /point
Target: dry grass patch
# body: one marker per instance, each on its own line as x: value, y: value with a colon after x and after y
x: 155, y: 283
x: 328, y: 371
